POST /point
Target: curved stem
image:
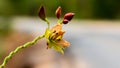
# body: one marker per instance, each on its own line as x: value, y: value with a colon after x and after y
x: 11, y: 54
x: 48, y: 23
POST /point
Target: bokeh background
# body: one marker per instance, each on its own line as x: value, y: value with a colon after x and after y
x: 94, y: 33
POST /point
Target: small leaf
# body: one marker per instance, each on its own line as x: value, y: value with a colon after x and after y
x: 42, y: 13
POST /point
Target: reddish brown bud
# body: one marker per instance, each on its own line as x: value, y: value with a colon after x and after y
x: 69, y: 16
x: 65, y: 21
x: 41, y: 13
x: 58, y: 12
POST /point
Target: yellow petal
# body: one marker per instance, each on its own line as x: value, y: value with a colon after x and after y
x: 55, y: 46
x: 47, y: 33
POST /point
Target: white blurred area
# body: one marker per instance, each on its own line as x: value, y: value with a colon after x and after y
x: 94, y: 43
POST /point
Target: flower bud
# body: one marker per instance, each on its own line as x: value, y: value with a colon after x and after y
x: 65, y: 21
x: 41, y: 13
x: 58, y: 12
x: 69, y: 16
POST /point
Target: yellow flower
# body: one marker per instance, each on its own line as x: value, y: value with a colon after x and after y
x: 54, y: 37
x: 55, y: 34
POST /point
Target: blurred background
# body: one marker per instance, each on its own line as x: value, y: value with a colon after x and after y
x: 94, y: 33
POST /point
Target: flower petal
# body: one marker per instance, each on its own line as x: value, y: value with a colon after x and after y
x: 63, y: 43
x: 55, y: 46
x: 57, y: 27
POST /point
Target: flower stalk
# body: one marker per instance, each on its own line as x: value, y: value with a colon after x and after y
x: 53, y: 35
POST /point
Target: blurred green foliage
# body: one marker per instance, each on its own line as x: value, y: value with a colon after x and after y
x: 5, y: 26
x: 91, y: 9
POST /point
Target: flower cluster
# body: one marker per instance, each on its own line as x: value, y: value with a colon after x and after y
x: 55, y: 34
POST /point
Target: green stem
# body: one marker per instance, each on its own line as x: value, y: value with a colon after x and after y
x: 48, y: 23
x: 59, y: 21
x: 12, y: 53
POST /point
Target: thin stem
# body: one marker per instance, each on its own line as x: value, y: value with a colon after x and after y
x: 11, y: 54
x: 59, y: 21
x: 47, y: 23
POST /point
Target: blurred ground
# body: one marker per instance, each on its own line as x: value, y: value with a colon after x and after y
x: 94, y: 44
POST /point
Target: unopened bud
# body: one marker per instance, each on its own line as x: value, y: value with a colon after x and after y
x: 58, y: 12
x: 69, y: 16
x: 42, y: 13
x: 65, y: 21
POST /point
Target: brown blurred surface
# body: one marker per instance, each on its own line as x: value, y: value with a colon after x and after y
x: 28, y: 57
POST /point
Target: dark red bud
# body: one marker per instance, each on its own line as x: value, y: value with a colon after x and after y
x: 69, y: 16
x: 65, y: 21
x: 42, y: 13
x: 58, y: 12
